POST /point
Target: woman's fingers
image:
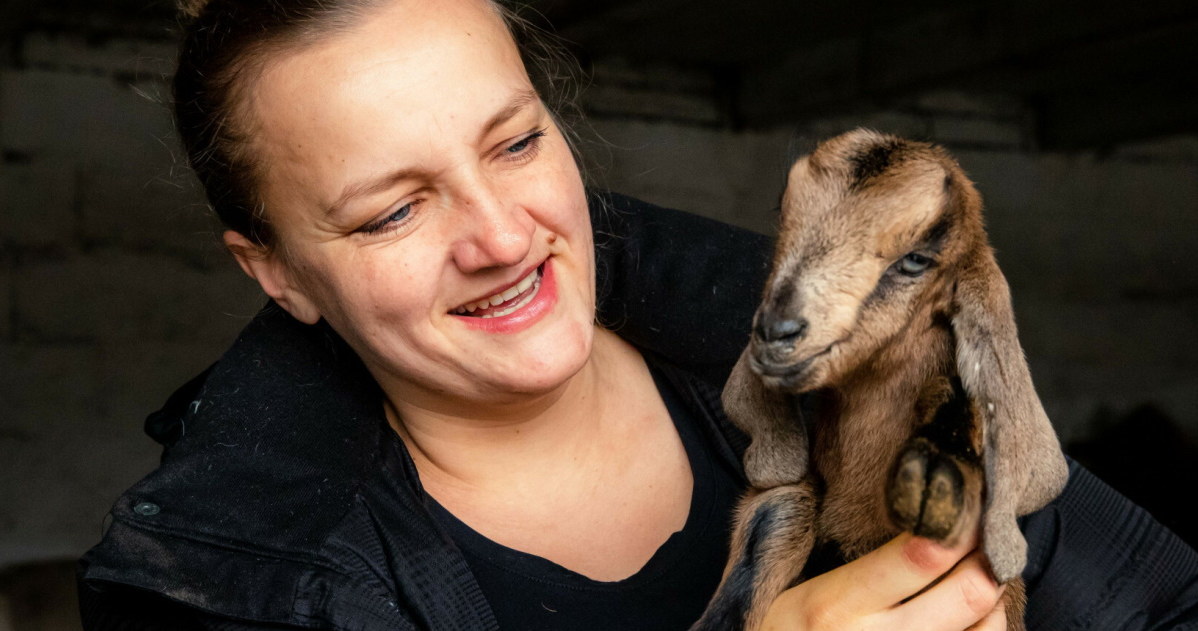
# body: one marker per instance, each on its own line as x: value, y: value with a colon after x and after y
x: 964, y: 597
x: 899, y: 569
x: 909, y: 583
x: 996, y: 621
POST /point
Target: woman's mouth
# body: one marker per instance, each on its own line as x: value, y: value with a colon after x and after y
x: 516, y: 308
x: 506, y: 302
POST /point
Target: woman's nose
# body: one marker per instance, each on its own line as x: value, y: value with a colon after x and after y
x: 494, y: 233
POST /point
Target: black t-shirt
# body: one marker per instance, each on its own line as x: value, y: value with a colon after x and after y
x: 530, y: 593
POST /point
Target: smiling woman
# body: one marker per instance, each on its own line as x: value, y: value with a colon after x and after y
x: 413, y: 170
x: 391, y: 175
x: 428, y: 427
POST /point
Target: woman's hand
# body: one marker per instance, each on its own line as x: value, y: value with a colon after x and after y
x: 872, y: 592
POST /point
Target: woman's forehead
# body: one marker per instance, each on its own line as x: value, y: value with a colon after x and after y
x: 398, y: 51
x: 412, y: 78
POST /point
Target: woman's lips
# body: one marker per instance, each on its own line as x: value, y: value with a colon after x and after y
x: 505, y: 301
x: 515, y: 308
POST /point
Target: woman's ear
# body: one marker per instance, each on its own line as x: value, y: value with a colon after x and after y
x: 273, y: 274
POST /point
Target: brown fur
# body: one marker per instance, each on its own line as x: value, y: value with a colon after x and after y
x: 926, y: 420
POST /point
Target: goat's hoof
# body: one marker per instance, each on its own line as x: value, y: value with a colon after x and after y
x: 926, y: 495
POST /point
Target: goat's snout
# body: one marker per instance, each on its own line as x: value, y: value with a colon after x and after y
x: 781, y: 348
x: 776, y: 330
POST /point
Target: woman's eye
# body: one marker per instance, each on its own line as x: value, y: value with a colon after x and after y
x: 389, y: 221
x: 525, y: 145
x: 914, y: 264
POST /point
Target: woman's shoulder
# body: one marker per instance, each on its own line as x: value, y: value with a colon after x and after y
x: 288, y: 417
x: 264, y: 458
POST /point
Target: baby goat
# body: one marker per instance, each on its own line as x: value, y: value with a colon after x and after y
x: 886, y: 306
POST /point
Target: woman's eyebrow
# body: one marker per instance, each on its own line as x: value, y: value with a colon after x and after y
x: 382, y: 182
x: 367, y: 187
x: 513, y: 107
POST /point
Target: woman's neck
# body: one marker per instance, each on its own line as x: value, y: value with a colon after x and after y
x: 524, y: 441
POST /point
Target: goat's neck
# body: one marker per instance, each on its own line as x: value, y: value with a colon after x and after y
x: 890, y: 381
x: 862, y: 422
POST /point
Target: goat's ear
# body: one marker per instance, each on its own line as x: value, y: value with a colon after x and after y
x: 777, y: 454
x: 1024, y: 465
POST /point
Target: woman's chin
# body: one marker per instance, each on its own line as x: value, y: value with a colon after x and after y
x: 544, y: 369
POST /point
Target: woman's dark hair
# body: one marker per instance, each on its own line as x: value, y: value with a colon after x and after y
x: 225, y: 45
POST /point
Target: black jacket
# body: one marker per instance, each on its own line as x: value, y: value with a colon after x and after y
x: 285, y: 500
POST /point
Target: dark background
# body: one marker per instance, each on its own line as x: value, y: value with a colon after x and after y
x: 1078, y: 121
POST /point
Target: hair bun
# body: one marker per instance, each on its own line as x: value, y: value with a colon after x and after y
x: 191, y: 8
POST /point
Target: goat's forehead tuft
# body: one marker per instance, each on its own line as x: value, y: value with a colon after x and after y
x: 859, y: 160
x: 873, y: 159
x: 868, y: 183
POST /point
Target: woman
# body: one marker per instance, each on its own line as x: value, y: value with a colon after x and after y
x: 429, y: 430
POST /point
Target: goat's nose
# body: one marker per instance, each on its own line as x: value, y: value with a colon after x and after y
x: 774, y: 330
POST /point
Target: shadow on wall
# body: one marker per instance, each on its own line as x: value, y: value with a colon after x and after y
x: 39, y: 597
x: 1146, y: 456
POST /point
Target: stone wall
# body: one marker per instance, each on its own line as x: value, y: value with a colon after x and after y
x: 112, y: 289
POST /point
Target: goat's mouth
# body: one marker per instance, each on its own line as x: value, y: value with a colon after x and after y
x: 786, y: 374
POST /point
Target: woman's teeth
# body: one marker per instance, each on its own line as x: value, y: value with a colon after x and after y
x: 532, y: 281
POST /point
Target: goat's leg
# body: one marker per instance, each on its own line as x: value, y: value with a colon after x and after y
x: 1014, y: 602
x: 936, y: 484
x: 936, y: 488
x: 773, y: 537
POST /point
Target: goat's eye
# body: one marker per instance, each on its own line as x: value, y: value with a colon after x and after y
x: 914, y: 264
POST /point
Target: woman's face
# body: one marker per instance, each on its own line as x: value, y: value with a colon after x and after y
x: 412, y: 177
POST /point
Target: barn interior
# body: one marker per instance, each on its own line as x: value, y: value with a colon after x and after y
x: 1078, y: 121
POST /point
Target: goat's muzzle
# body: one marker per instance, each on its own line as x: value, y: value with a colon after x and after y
x: 775, y: 335
x: 789, y: 374
x: 774, y: 330
x: 772, y: 349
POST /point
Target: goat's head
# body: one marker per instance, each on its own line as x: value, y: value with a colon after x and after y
x: 873, y: 231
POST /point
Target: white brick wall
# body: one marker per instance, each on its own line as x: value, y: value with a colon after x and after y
x: 113, y: 287
x: 115, y: 296
x: 734, y: 177
x: 157, y: 209
x: 1088, y: 229
x: 80, y: 118
x: 50, y: 503
x: 74, y: 54
x: 6, y: 303
x: 38, y: 204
